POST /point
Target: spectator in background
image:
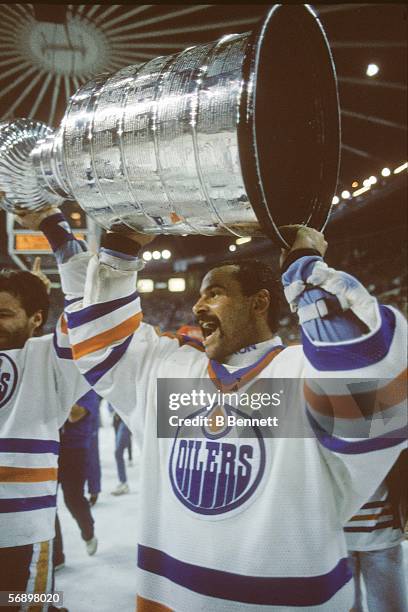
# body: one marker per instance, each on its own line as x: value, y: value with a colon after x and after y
x: 122, y: 441
x: 93, y: 463
x: 76, y: 438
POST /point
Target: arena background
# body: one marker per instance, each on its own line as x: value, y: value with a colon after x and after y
x: 48, y: 50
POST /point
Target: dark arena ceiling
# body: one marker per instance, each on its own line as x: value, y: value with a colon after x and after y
x: 48, y: 50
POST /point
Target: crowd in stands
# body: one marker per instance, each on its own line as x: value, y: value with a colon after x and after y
x: 379, y: 262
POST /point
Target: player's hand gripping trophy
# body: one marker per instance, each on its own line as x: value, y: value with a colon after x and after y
x: 239, y: 137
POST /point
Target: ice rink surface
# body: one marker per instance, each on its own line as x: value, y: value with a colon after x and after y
x: 106, y: 582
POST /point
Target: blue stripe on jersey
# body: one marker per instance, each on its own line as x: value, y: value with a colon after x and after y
x: 27, y: 445
x: 24, y: 504
x: 90, y: 313
x: 185, y: 339
x: 353, y: 356
x: 94, y: 374
x: 258, y: 590
x: 118, y: 254
x: 337, y: 445
x: 62, y: 352
x: 69, y: 302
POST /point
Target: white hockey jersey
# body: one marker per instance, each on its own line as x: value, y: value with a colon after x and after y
x: 233, y: 524
x: 37, y: 391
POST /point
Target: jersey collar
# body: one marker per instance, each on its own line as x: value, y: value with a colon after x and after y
x: 259, y: 357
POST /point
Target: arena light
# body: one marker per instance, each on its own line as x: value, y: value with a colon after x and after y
x: 372, y: 70
x: 145, y: 285
x: 176, y: 285
x: 346, y: 195
x: 156, y: 255
x: 401, y: 168
x: 147, y: 255
x: 335, y: 200
x: 166, y: 254
x: 361, y: 190
x: 354, y: 184
x: 367, y: 183
x: 373, y: 180
x: 243, y: 240
x: 385, y: 172
x: 232, y: 247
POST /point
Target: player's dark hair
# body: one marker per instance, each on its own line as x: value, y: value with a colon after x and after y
x: 28, y: 288
x: 254, y: 275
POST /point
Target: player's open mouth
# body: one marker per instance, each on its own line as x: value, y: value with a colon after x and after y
x: 209, y: 329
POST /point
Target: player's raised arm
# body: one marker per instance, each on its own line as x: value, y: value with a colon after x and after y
x: 115, y: 351
x: 355, y: 366
x: 72, y: 257
x: 69, y: 384
x: 71, y: 254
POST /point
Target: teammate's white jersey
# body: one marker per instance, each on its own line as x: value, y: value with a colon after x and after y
x: 229, y: 523
x: 37, y: 390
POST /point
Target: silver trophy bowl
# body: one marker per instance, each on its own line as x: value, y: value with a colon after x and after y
x: 239, y: 136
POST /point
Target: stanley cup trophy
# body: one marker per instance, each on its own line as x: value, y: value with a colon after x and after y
x: 238, y: 137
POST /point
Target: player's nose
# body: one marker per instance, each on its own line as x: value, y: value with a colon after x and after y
x: 200, y: 306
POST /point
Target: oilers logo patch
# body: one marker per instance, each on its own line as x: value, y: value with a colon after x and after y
x: 8, y: 378
x: 216, y: 472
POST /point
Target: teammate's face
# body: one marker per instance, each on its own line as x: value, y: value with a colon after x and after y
x: 15, y: 326
x: 224, y: 314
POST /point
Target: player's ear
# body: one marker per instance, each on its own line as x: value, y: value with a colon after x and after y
x: 261, y: 301
x: 36, y: 321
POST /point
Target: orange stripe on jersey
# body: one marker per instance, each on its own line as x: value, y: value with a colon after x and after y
x: 349, y: 406
x: 252, y: 373
x: 147, y: 605
x: 266, y: 361
x: 106, y: 338
x: 42, y: 573
x: 16, y: 474
x: 64, y: 325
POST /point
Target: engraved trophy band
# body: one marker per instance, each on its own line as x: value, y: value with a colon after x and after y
x: 239, y: 137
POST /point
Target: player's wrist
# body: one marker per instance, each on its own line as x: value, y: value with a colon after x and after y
x: 296, y: 254
x: 121, y: 243
x: 56, y: 229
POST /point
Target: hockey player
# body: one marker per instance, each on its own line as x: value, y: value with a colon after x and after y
x: 38, y: 385
x: 234, y: 523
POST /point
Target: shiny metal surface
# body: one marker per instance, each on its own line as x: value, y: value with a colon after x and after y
x: 190, y: 143
x: 18, y: 177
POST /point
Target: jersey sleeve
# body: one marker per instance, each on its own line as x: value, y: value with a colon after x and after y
x: 72, y: 258
x: 116, y: 352
x: 70, y: 384
x: 355, y: 377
